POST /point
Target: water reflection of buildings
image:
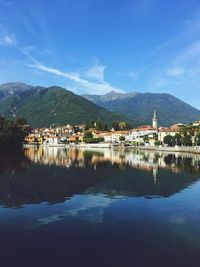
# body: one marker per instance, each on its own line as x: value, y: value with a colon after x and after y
x: 144, y: 160
x: 58, y: 174
x: 55, y: 156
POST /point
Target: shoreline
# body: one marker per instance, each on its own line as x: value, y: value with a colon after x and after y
x: 81, y: 145
x: 194, y: 150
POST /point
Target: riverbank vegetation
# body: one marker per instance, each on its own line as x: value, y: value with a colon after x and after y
x: 184, y: 138
x: 12, y: 133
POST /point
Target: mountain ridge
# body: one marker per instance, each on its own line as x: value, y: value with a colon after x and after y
x: 42, y: 106
x: 141, y: 106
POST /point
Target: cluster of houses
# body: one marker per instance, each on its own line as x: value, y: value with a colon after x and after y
x: 54, y: 135
x: 68, y: 134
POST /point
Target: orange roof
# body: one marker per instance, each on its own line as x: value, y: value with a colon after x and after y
x: 107, y: 134
x: 168, y: 130
x: 119, y: 132
x: 144, y: 127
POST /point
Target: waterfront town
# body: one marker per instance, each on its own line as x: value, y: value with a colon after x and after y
x: 145, y: 135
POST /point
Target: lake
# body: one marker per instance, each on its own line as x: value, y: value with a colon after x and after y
x: 99, y: 207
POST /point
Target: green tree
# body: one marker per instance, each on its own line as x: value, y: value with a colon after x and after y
x: 90, y: 125
x: 197, y: 139
x: 21, y: 121
x: 93, y: 140
x: 115, y: 125
x: 88, y: 134
x: 86, y: 127
x: 177, y: 140
x: 128, y: 126
x: 123, y: 125
x: 100, y: 126
x: 168, y: 140
x: 157, y: 143
x: 11, y: 134
x: 187, y: 140
x: 122, y: 138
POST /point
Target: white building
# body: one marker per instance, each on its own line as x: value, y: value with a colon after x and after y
x: 196, y: 123
x: 54, y: 140
x: 166, y: 131
x: 107, y: 137
x: 139, y: 133
x: 116, y: 136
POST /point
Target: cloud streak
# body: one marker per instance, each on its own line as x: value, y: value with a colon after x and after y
x: 180, y: 75
x: 7, y: 38
x: 90, y: 80
x: 175, y: 72
x: 96, y: 73
x: 100, y: 86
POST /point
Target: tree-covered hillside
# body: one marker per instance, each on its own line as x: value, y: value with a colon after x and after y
x: 140, y: 107
x: 53, y: 105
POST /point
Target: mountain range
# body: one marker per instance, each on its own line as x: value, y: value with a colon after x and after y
x: 43, y: 106
x: 53, y: 105
x: 140, y: 107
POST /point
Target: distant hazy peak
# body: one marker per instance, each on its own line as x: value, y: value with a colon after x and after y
x: 140, y: 107
x: 121, y: 95
x: 14, y: 85
x: 112, y: 95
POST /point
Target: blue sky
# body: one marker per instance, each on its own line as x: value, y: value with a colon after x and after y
x: 95, y: 46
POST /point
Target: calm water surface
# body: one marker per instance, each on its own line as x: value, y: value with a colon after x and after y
x: 99, y: 208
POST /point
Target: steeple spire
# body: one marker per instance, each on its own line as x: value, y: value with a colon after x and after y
x: 155, y: 115
x: 155, y: 120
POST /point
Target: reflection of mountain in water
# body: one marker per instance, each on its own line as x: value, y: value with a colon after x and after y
x: 138, y: 183
x: 57, y: 174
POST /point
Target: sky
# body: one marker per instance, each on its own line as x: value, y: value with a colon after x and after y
x: 98, y: 46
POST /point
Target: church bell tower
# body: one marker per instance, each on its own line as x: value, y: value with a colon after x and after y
x: 155, y: 120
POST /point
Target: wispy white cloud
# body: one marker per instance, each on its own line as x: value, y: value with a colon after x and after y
x: 100, y: 86
x: 7, y: 38
x: 189, y: 60
x: 90, y: 80
x: 28, y: 48
x: 96, y: 72
x: 175, y: 72
x: 180, y: 74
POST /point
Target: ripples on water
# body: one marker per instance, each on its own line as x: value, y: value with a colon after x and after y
x: 99, y: 208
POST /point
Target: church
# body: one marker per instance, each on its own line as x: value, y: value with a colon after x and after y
x: 155, y: 120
